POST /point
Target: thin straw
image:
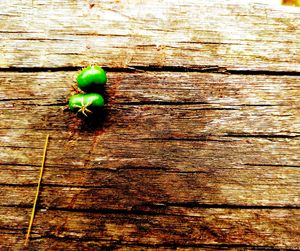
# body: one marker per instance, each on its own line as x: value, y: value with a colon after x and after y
x: 37, y: 191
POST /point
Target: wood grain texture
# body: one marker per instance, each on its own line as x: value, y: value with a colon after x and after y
x: 208, y: 143
x: 199, y: 34
x: 198, y: 147
x: 172, y: 228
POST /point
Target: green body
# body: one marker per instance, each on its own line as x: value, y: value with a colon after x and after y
x: 86, y: 103
x: 91, y: 78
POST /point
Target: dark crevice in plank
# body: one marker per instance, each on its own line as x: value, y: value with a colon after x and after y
x: 143, y: 103
x: 58, y: 103
x: 151, y: 68
x: 273, y: 73
x: 51, y: 104
x: 56, y: 186
x: 138, y: 209
x: 207, y: 42
x: 270, y: 165
x: 96, y: 34
x: 280, y: 136
x: 113, y: 211
x: 41, y: 39
x: 37, y: 129
x: 16, y: 31
x: 126, y: 168
x: 20, y: 147
x: 65, y: 68
x: 160, y: 103
x: 20, y: 99
x: 228, y: 206
x: 11, y: 230
x: 85, y: 187
x: 119, y: 169
x: 40, y: 69
x: 214, y: 69
x: 97, y: 211
x: 258, y: 105
x: 68, y: 167
x: 202, y: 68
x: 227, y: 135
x: 19, y: 164
x: 120, y: 243
x: 19, y: 185
x: 170, y: 103
x: 205, y: 139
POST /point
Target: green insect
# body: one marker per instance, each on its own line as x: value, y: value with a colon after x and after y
x: 91, y: 78
x: 86, y: 103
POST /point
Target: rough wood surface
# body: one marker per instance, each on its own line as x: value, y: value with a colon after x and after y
x: 200, y: 151
x: 192, y: 140
x: 171, y: 227
x: 192, y: 33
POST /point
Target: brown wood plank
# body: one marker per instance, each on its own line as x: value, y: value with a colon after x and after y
x: 196, y: 104
x: 202, y: 134
x: 132, y: 189
x: 167, y: 87
x: 173, y: 226
x: 180, y: 155
x: 123, y: 34
x: 193, y: 153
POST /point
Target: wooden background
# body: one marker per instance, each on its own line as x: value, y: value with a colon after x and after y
x: 199, y: 146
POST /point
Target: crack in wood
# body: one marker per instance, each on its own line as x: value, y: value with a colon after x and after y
x: 150, y: 68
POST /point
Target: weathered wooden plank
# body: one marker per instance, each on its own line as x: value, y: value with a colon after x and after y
x: 183, y: 160
x: 174, y: 226
x: 163, y: 121
x: 251, y: 164
x: 166, y: 87
x: 192, y: 33
x: 110, y: 152
x: 223, y: 127
x: 147, y: 86
x: 198, y: 132
x: 133, y: 189
x: 199, y: 104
